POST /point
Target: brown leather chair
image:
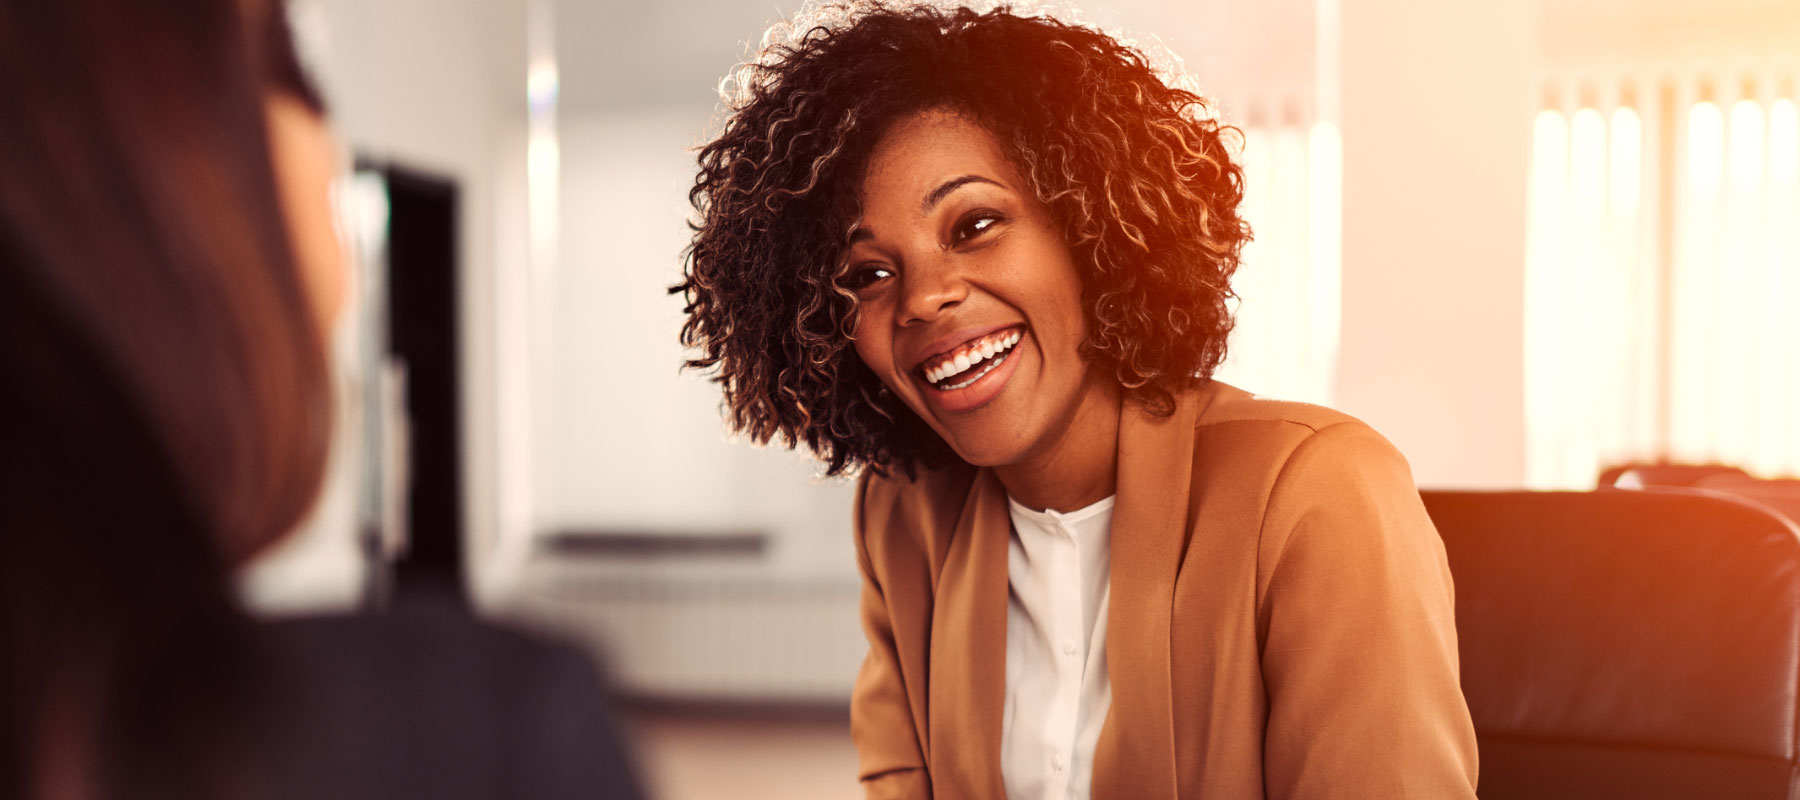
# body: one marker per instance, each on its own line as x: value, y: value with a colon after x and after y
x: 1638, y: 476
x: 1782, y: 495
x: 1627, y: 644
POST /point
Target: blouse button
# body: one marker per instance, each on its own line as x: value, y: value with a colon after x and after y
x: 1068, y: 647
x: 1056, y: 763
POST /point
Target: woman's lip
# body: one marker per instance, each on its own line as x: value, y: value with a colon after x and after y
x: 945, y: 344
x: 983, y: 390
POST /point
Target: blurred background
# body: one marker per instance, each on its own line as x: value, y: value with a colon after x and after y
x: 1527, y: 241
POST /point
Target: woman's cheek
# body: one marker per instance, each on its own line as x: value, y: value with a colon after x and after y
x: 875, y: 355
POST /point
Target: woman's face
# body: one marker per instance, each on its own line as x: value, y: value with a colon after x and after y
x: 306, y: 160
x: 970, y: 301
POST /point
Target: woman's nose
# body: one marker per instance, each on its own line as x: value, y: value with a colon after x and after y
x: 930, y: 288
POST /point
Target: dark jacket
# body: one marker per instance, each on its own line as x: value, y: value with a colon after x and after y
x: 437, y: 705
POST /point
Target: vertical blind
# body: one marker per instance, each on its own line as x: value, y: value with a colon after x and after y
x: 1663, y: 270
x: 1285, y: 343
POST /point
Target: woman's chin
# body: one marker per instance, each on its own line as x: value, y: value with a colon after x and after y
x: 983, y: 451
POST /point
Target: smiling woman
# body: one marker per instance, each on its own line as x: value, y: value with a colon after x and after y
x: 984, y: 259
x: 1133, y: 175
x: 969, y: 306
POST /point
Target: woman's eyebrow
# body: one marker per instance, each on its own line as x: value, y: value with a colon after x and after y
x: 935, y: 196
x: 944, y: 189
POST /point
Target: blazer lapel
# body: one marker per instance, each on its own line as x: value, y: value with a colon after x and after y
x: 1135, y: 757
x: 968, y: 648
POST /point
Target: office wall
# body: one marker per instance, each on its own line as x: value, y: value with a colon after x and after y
x: 628, y: 442
x: 1434, y: 103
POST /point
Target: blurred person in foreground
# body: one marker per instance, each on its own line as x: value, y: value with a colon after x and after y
x: 984, y: 259
x: 168, y: 270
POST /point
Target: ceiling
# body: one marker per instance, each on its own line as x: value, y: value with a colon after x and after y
x: 617, y: 56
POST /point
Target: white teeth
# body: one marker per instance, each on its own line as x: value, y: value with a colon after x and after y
x: 974, y: 356
x: 977, y: 376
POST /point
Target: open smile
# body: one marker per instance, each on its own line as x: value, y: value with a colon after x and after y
x: 971, y: 374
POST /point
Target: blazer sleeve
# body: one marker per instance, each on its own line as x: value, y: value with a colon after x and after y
x: 1356, y: 616
x: 890, y: 763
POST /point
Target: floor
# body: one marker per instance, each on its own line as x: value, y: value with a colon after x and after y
x: 689, y: 756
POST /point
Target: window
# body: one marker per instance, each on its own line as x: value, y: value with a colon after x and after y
x: 1663, y: 271
x: 1285, y: 343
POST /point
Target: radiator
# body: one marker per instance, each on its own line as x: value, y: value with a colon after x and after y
x: 703, y: 634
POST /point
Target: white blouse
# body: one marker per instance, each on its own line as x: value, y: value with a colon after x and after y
x: 1057, y: 694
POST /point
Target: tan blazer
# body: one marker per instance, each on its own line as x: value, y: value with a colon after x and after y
x: 1280, y: 626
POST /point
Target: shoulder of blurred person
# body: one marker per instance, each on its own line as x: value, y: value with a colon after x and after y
x: 433, y: 703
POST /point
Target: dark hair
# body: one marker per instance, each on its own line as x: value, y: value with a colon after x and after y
x: 1134, y: 169
x: 166, y: 409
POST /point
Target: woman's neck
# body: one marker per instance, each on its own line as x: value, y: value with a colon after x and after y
x: 1079, y: 467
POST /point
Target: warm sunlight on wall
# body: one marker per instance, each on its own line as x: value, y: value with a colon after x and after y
x: 1663, y: 272
x: 1285, y: 344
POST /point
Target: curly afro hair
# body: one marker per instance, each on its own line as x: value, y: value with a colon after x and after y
x: 1136, y: 171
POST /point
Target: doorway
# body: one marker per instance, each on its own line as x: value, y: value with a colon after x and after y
x: 420, y: 308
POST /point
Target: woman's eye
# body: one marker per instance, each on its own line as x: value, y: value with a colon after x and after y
x: 867, y: 275
x: 975, y: 225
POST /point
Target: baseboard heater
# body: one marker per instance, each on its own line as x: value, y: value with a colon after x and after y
x: 697, y: 619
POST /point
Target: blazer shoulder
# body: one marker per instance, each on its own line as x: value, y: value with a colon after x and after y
x: 896, y: 513
x: 1258, y: 450
x: 1246, y: 433
x: 1224, y: 404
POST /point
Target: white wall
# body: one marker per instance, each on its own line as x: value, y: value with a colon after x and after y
x: 1435, y: 111
x: 627, y: 441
